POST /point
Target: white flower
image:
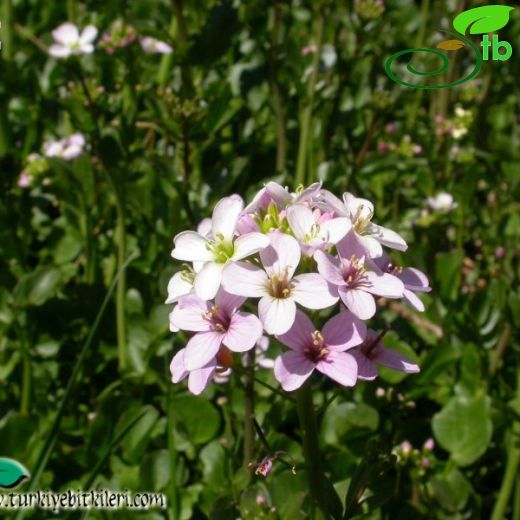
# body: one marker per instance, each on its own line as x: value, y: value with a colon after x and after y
x: 219, y: 248
x: 68, y: 40
x: 152, y: 45
x: 442, y: 202
x: 67, y: 148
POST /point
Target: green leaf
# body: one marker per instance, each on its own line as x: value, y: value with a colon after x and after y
x: 451, y: 489
x: 37, y: 287
x: 464, y: 428
x: 481, y: 20
x: 11, y: 473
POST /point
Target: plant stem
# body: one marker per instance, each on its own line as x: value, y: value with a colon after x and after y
x: 311, y: 450
x: 172, y: 450
x: 121, y: 286
x: 512, y: 464
x: 306, y: 117
x: 249, y: 409
x: 7, y: 29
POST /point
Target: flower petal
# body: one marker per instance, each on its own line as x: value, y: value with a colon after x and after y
x: 198, y: 379
x: 66, y: 34
x: 353, y: 244
x: 358, y: 207
x: 58, y: 51
x: 188, y: 314
x: 244, y: 331
x: 329, y: 268
x: 178, y: 286
x: 246, y: 245
x: 191, y: 247
x: 292, y: 369
x: 361, y: 303
x: 225, y: 216
x: 389, y: 238
x: 88, y: 35
x: 299, y: 335
x: 177, y: 370
x: 282, y: 256
x: 339, y: 366
x: 367, y: 371
x: 208, y: 280
x: 394, y: 359
x: 414, y: 279
x: 229, y: 302
x: 385, y: 285
x: 413, y: 300
x: 312, y: 291
x: 335, y: 229
x: 344, y: 331
x: 277, y: 315
x: 244, y: 279
x: 201, y: 348
x: 300, y: 219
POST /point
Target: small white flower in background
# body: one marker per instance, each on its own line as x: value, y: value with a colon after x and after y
x: 152, y: 45
x: 69, y: 41
x: 67, y: 148
x: 442, y: 202
x: 24, y: 180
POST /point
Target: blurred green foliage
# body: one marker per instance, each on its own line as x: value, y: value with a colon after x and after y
x: 242, y: 99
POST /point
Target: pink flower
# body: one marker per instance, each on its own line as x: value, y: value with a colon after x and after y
x: 356, y: 285
x: 214, y: 324
x: 429, y: 444
x: 372, y: 352
x: 324, y: 351
x: 264, y: 467
x: 68, y: 40
x: 24, y: 180
x: 152, y: 45
x: 216, y: 249
x: 309, y: 49
x: 413, y: 280
x: 67, y: 148
x: 199, y: 378
x: 277, y: 288
x: 312, y: 234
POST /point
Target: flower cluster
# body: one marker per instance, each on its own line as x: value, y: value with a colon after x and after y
x: 294, y: 254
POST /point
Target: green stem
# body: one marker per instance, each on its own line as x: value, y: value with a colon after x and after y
x: 121, y: 286
x: 6, y: 14
x: 311, y: 450
x: 512, y: 464
x: 249, y: 409
x: 172, y: 450
x: 306, y: 116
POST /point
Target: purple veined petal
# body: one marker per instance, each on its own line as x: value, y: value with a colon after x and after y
x: 225, y: 216
x: 413, y: 300
x: 201, y: 348
x: 66, y: 34
x: 344, y: 331
x: 279, y: 195
x: 335, y: 229
x: 357, y: 206
x: 71, y: 152
x: 58, y: 51
x: 329, y: 268
x: 204, y: 227
x: 361, y: 303
x: 394, y: 359
x: 178, y: 286
x: 88, y: 35
x: 247, y: 224
x: 299, y: 335
x: 198, y: 379
x: 282, y: 256
x: 385, y: 285
x: 414, y: 280
x: 246, y: 245
x: 292, y: 369
x: 367, y: 371
x: 177, y: 370
x: 244, y: 331
x: 229, y: 302
x: 300, y: 219
x: 354, y: 245
x: 191, y: 247
x: 312, y: 291
x: 390, y: 238
x: 277, y: 315
x: 309, y: 193
x: 208, y: 280
x: 339, y: 366
x: 188, y: 314
x: 244, y: 279
x: 329, y: 202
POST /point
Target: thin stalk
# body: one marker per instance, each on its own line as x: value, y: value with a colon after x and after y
x: 512, y: 464
x: 311, y: 450
x: 167, y: 59
x: 306, y: 116
x: 173, y: 501
x: 249, y: 409
x: 71, y: 11
x: 50, y: 441
x: 7, y: 29
x: 122, y: 350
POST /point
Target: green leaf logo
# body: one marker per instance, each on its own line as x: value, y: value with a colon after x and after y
x: 11, y: 473
x: 481, y: 20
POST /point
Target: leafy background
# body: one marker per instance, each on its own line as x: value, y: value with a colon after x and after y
x: 89, y: 404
